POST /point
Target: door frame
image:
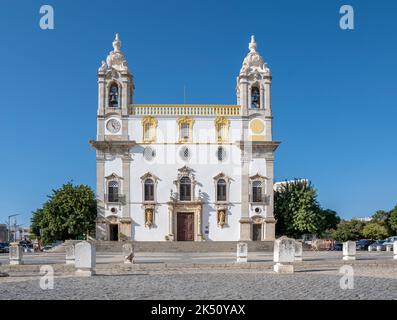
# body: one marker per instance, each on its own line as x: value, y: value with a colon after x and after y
x: 113, y: 226
x: 261, y: 231
x: 174, y: 208
x: 194, y: 224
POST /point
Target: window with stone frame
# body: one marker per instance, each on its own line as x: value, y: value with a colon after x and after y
x: 113, y: 191
x: 221, y: 190
x: 149, y: 190
x: 257, y: 191
x: 185, y: 189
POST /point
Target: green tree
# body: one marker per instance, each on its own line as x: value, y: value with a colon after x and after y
x: 328, y: 222
x: 296, y: 209
x: 375, y: 231
x: 349, y: 230
x: 69, y: 213
x: 393, y: 219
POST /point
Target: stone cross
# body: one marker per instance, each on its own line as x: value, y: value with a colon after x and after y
x: 69, y: 251
x: 85, y: 258
x: 284, y: 255
x: 242, y: 252
x: 16, y: 253
x: 349, y: 250
x: 395, y: 249
x: 298, y: 250
x: 128, y: 253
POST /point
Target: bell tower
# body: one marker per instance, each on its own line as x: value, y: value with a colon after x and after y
x: 115, y: 92
x: 257, y: 146
x: 253, y: 94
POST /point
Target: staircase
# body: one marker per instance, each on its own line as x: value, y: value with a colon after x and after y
x: 184, y: 246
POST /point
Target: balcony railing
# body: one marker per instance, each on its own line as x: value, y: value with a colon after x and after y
x: 115, y: 198
x: 263, y: 199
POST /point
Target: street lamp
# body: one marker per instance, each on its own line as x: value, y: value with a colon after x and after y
x: 9, y: 225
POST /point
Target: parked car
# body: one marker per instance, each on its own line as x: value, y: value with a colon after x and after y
x: 4, y: 248
x: 390, y: 241
x: 338, y: 246
x: 47, y: 248
x: 373, y: 246
x: 363, y: 244
x: 27, y: 248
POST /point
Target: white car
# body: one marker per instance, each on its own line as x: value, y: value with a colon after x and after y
x: 390, y: 241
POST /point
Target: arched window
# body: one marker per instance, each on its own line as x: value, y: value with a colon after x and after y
x: 257, y: 191
x: 149, y: 190
x: 185, y: 189
x: 255, y: 98
x: 113, y: 191
x: 221, y: 190
x: 114, y: 96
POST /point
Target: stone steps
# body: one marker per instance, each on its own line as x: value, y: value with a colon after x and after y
x: 176, y: 246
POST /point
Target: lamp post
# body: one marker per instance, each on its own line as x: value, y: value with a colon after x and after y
x: 9, y: 225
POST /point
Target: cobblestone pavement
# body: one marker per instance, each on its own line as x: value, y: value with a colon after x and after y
x: 321, y: 283
x: 209, y: 276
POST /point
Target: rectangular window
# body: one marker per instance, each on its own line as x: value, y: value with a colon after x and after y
x: 185, y: 131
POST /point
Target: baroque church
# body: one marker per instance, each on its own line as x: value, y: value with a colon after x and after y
x: 184, y: 172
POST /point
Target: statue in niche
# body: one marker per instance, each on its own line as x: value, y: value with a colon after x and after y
x: 221, y: 218
x: 149, y: 218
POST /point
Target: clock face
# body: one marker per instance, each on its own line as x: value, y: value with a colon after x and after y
x: 113, y: 126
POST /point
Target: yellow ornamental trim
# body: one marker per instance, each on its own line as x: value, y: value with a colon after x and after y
x: 149, y: 120
x: 222, y: 129
x: 149, y: 125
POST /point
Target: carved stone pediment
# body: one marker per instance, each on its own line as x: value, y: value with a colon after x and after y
x: 113, y: 176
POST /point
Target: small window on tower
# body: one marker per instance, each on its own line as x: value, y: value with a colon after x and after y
x: 114, y: 96
x: 255, y: 98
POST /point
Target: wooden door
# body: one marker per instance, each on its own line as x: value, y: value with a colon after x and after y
x: 185, y: 225
x: 256, y: 232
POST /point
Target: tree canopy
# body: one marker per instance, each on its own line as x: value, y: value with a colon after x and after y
x: 298, y: 212
x: 69, y: 213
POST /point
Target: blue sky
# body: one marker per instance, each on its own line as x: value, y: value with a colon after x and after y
x: 334, y: 92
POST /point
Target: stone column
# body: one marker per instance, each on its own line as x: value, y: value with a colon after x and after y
x: 101, y: 230
x: 270, y: 222
x: 284, y: 255
x: 69, y: 252
x: 85, y: 254
x: 16, y: 253
x: 242, y: 252
x: 126, y: 185
x: 349, y: 250
x: 395, y: 249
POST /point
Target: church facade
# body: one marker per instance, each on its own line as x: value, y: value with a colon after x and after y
x: 184, y: 172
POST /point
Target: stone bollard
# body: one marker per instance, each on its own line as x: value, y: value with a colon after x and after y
x: 378, y: 248
x: 298, y: 250
x: 16, y: 253
x: 389, y: 247
x: 369, y: 248
x: 69, y: 251
x: 349, y: 250
x: 3, y: 274
x: 395, y: 249
x: 284, y: 255
x: 242, y: 252
x: 85, y: 259
x: 128, y: 253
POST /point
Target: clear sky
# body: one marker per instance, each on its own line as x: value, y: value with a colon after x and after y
x: 334, y: 91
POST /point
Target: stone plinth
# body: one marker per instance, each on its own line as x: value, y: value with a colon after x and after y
x: 389, y: 248
x: 378, y: 248
x: 242, y: 252
x: 85, y: 259
x: 70, y: 256
x: 298, y: 251
x: 284, y: 255
x: 128, y: 253
x: 349, y: 250
x: 395, y: 249
x: 16, y: 253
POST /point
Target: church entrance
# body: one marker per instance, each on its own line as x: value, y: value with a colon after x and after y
x: 257, y: 232
x: 113, y: 232
x: 185, y: 226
